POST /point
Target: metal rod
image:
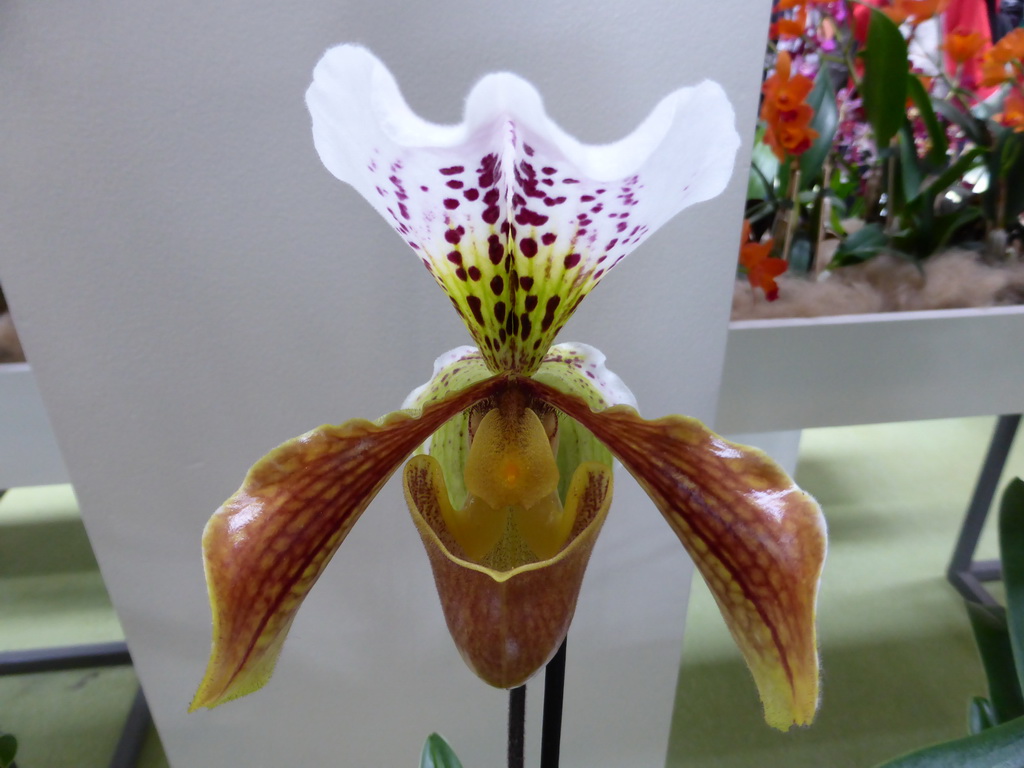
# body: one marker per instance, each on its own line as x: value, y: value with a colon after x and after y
x: 554, y: 692
x: 69, y: 657
x: 516, y: 726
x: 963, y: 573
x: 133, y: 736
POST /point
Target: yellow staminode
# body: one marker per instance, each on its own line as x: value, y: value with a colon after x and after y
x: 510, y: 471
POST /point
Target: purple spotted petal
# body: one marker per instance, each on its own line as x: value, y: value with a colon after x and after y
x: 515, y: 219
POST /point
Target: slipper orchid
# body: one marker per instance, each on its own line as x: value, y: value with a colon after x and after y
x: 517, y: 222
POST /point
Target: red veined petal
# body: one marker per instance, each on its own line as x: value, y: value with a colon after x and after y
x: 268, y: 544
x: 758, y: 540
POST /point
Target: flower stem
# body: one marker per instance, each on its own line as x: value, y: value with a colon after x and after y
x: 551, y: 730
x: 516, y: 726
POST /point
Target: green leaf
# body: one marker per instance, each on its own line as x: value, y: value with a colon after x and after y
x: 954, y: 172
x: 437, y: 753
x: 1008, y: 163
x: 866, y: 243
x: 886, y: 71
x: 764, y: 167
x: 8, y: 749
x: 1011, y: 550
x: 998, y: 747
x: 992, y: 636
x: 910, y: 172
x: 938, y: 153
x: 971, y: 126
x: 947, y: 225
x: 822, y: 99
x: 980, y: 715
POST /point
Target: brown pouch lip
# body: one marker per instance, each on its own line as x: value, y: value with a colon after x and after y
x: 506, y: 624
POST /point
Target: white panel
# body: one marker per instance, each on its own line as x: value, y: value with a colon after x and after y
x: 193, y: 287
x: 863, y: 369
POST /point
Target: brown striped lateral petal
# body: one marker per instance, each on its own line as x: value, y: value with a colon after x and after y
x: 758, y: 540
x: 507, y: 624
x: 267, y: 545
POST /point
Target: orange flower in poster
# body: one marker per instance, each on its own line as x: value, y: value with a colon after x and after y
x: 993, y: 72
x: 762, y: 268
x: 786, y: 29
x: 1012, y: 115
x: 918, y: 10
x: 785, y: 110
x: 1009, y: 48
x: 962, y: 46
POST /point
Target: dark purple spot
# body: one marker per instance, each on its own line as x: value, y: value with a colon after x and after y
x: 453, y: 236
x: 526, y: 283
x: 527, y: 218
x: 531, y: 302
x: 452, y: 170
x: 454, y: 184
x: 497, y: 285
x: 474, y: 274
x: 525, y: 325
x: 549, y: 313
x: 570, y: 181
x: 461, y: 274
x: 474, y: 306
x: 490, y: 215
x: 548, y: 238
x: 451, y: 203
x: 612, y: 243
x: 572, y: 260
x: 499, y: 311
x: 597, y: 275
x: 471, y: 194
x: 528, y: 247
x: 528, y: 149
x: 548, y: 170
x: 424, y: 188
x: 455, y: 257
x: 621, y: 226
x: 494, y: 249
x: 587, y: 198
x: 550, y: 201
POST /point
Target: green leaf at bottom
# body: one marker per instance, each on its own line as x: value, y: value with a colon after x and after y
x: 437, y: 753
x: 999, y: 747
x: 8, y: 749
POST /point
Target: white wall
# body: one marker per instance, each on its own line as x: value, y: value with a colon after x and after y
x: 192, y: 287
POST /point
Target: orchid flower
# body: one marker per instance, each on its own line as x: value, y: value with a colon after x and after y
x: 514, y: 437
